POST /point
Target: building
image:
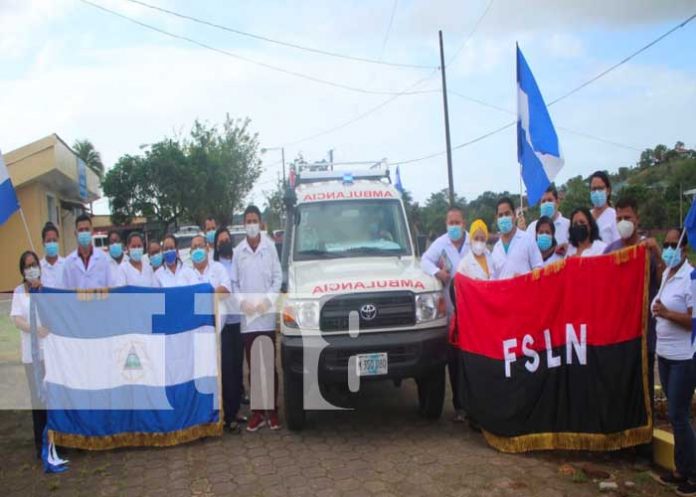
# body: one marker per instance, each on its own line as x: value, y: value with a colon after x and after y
x: 52, y: 184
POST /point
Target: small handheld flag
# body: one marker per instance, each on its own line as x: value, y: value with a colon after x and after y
x: 8, y: 197
x: 538, y: 150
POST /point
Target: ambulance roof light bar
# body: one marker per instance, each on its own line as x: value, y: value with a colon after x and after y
x: 376, y: 173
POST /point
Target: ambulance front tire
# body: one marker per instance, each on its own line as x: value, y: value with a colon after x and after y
x: 431, y: 393
x: 294, y: 406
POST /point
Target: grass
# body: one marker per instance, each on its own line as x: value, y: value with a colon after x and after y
x: 10, y: 343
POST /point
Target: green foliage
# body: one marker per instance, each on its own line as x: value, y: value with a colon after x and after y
x: 273, y: 208
x: 208, y: 173
x: 86, y: 151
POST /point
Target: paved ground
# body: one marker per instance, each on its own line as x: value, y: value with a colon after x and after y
x: 382, y: 448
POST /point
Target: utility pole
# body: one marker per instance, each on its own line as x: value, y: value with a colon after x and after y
x: 282, y: 154
x: 331, y: 159
x: 447, y: 129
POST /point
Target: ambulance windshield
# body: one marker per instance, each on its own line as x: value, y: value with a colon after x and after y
x: 328, y: 230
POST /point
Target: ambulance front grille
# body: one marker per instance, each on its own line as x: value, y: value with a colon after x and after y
x: 393, y: 309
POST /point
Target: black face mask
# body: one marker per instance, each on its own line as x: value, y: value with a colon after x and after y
x: 578, y: 234
x: 225, y: 250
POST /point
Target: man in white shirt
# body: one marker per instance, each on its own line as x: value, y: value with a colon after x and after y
x: 116, y: 253
x: 86, y: 268
x: 258, y: 275
x: 549, y: 208
x: 516, y: 251
x: 52, y: 265
x: 206, y: 270
x: 441, y: 260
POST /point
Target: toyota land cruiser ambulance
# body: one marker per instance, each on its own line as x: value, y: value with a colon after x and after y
x: 357, y: 306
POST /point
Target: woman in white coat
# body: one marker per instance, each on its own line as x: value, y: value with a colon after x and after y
x: 477, y: 263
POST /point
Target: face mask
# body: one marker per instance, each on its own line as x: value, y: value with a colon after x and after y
x: 198, y: 255
x: 156, y: 260
x: 578, y: 233
x: 170, y: 257
x: 672, y: 257
x: 253, y: 230
x: 84, y: 238
x: 544, y: 241
x: 478, y: 248
x: 136, y: 254
x: 51, y: 249
x: 116, y: 250
x: 210, y: 236
x: 625, y: 228
x: 32, y: 273
x: 225, y: 250
x: 505, y: 224
x: 455, y: 232
x: 547, y: 209
x: 598, y: 198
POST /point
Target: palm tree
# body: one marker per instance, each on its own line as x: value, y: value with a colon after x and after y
x: 85, y: 150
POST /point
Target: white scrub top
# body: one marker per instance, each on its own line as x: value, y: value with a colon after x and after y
x: 522, y: 256
x: 52, y: 274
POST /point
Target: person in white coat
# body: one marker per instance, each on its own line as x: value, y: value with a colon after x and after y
x: 134, y: 271
x: 516, y: 251
x: 52, y: 265
x: 173, y: 272
x: 86, y: 268
x: 256, y: 267
x: 584, y: 235
x: 477, y: 263
x: 602, y: 211
x: 545, y: 233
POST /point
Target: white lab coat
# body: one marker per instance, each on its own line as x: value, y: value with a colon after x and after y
x: 522, y: 256
x: 97, y: 274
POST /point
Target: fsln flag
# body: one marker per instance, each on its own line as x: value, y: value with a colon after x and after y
x: 8, y: 198
x: 538, y: 150
x: 397, y: 181
x: 690, y: 224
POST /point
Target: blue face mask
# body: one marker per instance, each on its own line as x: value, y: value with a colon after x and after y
x: 51, y: 249
x: 198, y: 255
x: 210, y: 236
x: 170, y: 257
x: 544, y: 241
x: 455, y: 232
x: 505, y: 224
x: 598, y: 198
x: 156, y: 260
x: 84, y: 238
x: 116, y: 250
x: 672, y: 257
x: 547, y: 209
x: 136, y: 254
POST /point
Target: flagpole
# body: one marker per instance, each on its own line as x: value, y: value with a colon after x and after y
x: 26, y: 228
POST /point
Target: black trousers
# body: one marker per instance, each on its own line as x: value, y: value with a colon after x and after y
x: 456, y: 376
x: 38, y: 415
x: 231, y: 365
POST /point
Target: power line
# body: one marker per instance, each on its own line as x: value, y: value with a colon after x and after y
x: 367, y: 112
x: 395, y: 4
x: 568, y: 130
x: 280, y: 42
x: 562, y: 97
x: 471, y: 33
x: 246, y: 59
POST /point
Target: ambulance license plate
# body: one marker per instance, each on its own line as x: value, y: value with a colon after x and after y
x: 372, y: 364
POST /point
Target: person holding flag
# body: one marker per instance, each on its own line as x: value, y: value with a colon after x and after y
x: 604, y: 214
x: 516, y: 251
x: 87, y: 268
x: 673, y: 309
x: 52, y: 263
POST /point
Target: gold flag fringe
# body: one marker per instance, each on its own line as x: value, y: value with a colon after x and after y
x: 136, y: 439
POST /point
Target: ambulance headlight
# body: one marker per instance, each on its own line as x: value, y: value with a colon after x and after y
x: 430, y: 306
x: 301, y: 314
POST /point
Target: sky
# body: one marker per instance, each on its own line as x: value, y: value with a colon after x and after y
x: 69, y: 68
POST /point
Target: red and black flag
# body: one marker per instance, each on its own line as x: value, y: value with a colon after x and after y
x: 556, y: 359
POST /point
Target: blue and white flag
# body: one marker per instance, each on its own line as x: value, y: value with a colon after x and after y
x: 690, y: 224
x: 130, y: 366
x: 538, y: 150
x: 397, y: 182
x: 8, y: 197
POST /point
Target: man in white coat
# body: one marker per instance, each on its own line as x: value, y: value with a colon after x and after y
x: 86, y: 268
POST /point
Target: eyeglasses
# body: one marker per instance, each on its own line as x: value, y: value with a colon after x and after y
x: 672, y: 245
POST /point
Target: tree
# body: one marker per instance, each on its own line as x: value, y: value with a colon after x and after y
x: 86, y: 151
x: 575, y: 193
x: 208, y: 173
x: 273, y: 209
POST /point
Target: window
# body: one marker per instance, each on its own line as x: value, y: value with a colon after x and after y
x: 52, y: 207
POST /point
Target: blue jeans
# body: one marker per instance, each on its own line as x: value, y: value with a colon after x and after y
x: 678, y: 379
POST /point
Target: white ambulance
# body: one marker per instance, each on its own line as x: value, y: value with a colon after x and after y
x: 357, y: 305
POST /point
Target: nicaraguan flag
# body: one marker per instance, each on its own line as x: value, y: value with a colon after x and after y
x: 690, y: 224
x: 131, y: 367
x: 693, y: 314
x: 538, y: 150
x: 397, y: 182
x: 8, y: 198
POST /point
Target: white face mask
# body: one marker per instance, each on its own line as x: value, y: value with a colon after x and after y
x: 625, y: 228
x: 478, y: 248
x: 32, y: 273
x: 253, y: 230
